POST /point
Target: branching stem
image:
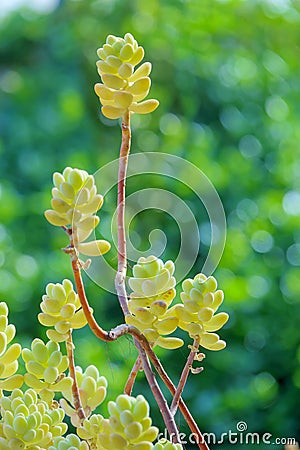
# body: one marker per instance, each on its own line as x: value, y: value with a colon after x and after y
x: 140, y: 341
x: 121, y: 277
x: 123, y: 329
x: 159, y: 397
x: 182, y: 406
x: 132, y: 376
x: 75, y: 390
x: 88, y: 312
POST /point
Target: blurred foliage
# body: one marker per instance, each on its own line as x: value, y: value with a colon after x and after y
x: 227, y: 77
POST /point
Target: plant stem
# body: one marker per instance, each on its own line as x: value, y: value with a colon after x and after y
x: 122, y: 254
x: 140, y: 340
x: 75, y: 390
x: 121, y: 275
x: 88, y: 312
x: 132, y: 376
x: 121, y: 330
x: 184, y: 376
x: 125, y: 329
x: 159, y: 397
x: 182, y: 406
x: 76, y: 267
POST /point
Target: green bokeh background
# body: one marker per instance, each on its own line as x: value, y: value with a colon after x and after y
x: 226, y: 74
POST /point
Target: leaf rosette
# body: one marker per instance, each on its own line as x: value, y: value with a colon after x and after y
x: 123, y: 88
x: 153, y: 287
x: 62, y: 310
x: 75, y: 202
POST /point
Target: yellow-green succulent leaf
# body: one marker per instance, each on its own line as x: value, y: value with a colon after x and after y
x: 112, y: 112
x: 140, y: 86
x: 170, y: 343
x: 125, y: 70
x: 104, y: 92
x: 11, y: 354
x: 218, y: 346
x: 218, y: 299
x: 3, y: 342
x: 146, y: 107
x: 94, y: 248
x: 79, y: 319
x: 54, y: 218
x: 127, y: 52
x: 138, y: 56
x: 113, y: 81
x: 46, y: 320
x: 104, y: 67
x: 144, y: 315
x: 9, y: 369
x: 11, y: 383
x: 151, y: 334
x: 55, y: 336
x: 158, y: 308
x: 217, y: 322
x: 208, y: 339
x: 143, y: 71
x: 123, y: 99
x: 205, y: 314
x: 166, y: 326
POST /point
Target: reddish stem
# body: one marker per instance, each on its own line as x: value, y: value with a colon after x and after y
x: 182, y: 406
x: 88, y: 312
x: 159, y: 397
x: 140, y: 341
x: 122, y: 254
x: 125, y: 329
x: 132, y: 376
x: 75, y: 391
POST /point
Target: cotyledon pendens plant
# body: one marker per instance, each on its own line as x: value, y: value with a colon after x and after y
x: 34, y: 406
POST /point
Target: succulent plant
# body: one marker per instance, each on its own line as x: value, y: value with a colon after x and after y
x: 28, y: 422
x: 45, y: 365
x: 153, y: 280
x: 196, y: 314
x: 153, y: 292
x: 32, y: 419
x: 62, y: 310
x: 123, y: 88
x: 129, y: 426
x: 75, y: 202
x: 92, y: 391
x: 71, y: 442
x: 91, y: 427
x: 9, y: 355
